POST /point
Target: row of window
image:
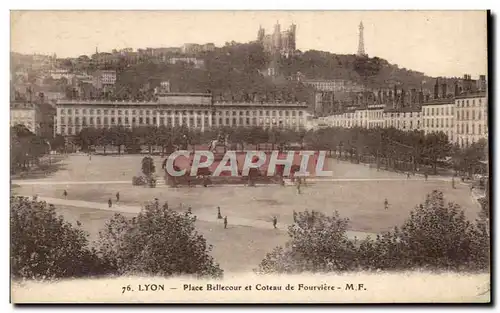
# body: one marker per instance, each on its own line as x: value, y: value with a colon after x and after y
x: 464, y: 129
x: 379, y: 115
x: 183, y: 112
x: 438, y: 111
x: 440, y: 122
x: 392, y: 123
x: 468, y: 102
x: 178, y: 121
x: 464, y: 115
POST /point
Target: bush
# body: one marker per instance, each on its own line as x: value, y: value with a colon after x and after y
x: 436, y: 236
x: 159, y: 241
x: 139, y: 181
x: 318, y: 243
x: 44, y: 246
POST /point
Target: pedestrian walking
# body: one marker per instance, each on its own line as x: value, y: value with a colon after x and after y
x: 408, y: 175
x: 294, y: 216
x: 275, y: 221
x: 453, y: 182
x: 65, y: 193
x: 219, y: 216
x: 386, y: 204
x: 426, y: 176
x: 117, y: 197
x: 225, y: 222
x: 471, y: 187
x: 189, y: 210
x: 110, y: 203
x: 157, y: 202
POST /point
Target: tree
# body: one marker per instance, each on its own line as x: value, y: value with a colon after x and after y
x: 103, y: 138
x: 148, y: 166
x: 437, y: 147
x: 57, y: 143
x: 26, y: 148
x: 119, y: 136
x: 44, y: 246
x: 436, y: 236
x: 87, y: 138
x: 164, y: 138
x: 158, y: 241
x: 317, y: 243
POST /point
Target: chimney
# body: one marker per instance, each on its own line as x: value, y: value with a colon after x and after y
x: 436, y: 89
x: 456, y: 89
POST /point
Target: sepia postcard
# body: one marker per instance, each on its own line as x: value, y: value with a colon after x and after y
x: 249, y: 157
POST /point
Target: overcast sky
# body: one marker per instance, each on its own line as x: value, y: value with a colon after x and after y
x: 438, y: 43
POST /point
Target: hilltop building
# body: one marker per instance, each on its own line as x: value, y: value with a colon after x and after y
x: 279, y: 42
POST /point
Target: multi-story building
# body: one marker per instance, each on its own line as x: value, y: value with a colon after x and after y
x: 105, y: 58
x: 335, y: 85
x: 191, y: 48
x: 371, y: 117
x: 27, y: 114
x: 104, y: 78
x: 471, y: 116
x: 197, y: 63
x: 194, y: 48
x: 407, y: 119
x: 324, y: 103
x: 438, y: 116
x: 175, y: 109
x: 60, y: 73
x: 376, y: 116
x: 208, y: 47
x: 464, y: 118
x: 278, y: 42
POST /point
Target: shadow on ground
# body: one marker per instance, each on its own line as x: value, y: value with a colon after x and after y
x: 45, y: 169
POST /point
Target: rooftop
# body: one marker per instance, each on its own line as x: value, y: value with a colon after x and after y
x: 439, y: 101
x: 472, y: 95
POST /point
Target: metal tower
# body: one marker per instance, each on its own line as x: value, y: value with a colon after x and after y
x: 361, y: 44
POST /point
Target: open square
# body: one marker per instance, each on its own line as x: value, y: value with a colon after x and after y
x: 356, y: 191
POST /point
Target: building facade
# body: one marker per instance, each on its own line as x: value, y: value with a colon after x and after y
x: 176, y: 109
x: 406, y: 120
x: 197, y: 63
x: 104, y: 78
x: 463, y: 119
x: 375, y: 116
x: 334, y: 85
x: 471, y: 115
x: 27, y: 114
x: 438, y: 116
x: 278, y: 42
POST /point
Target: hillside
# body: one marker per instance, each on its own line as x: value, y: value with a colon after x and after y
x: 234, y: 72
